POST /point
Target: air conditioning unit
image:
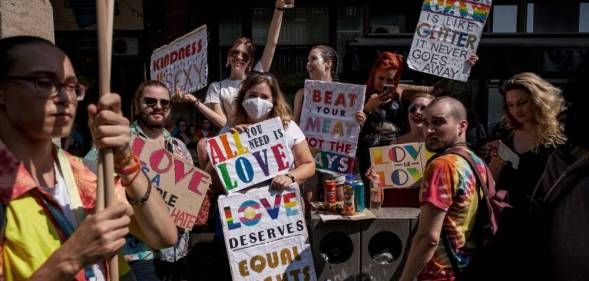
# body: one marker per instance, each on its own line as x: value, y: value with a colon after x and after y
x: 385, y: 29
x: 125, y: 46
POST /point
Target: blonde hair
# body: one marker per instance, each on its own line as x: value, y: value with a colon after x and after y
x: 547, y: 104
x: 280, y: 108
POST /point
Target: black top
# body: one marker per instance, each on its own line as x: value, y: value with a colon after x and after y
x: 521, y: 182
x: 382, y: 127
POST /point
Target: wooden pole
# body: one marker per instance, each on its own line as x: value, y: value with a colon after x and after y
x: 106, y: 191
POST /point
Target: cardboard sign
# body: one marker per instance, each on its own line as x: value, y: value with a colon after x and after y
x: 266, y: 235
x: 182, y: 63
x: 181, y: 185
x: 244, y: 159
x: 399, y: 165
x: 328, y: 119
x: 447, y: 33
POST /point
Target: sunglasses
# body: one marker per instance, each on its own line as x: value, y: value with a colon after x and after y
x: 151, y: 102
x: 413, y: 107
x: 244, y: 56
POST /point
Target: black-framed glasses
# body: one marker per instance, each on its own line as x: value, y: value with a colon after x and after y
x: 414, y: 107
x: 48, y: 87
x: 151, y: 102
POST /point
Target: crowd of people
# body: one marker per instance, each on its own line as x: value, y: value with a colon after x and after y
x: 49, y: 230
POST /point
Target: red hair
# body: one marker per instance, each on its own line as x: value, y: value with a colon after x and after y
x: 386, y: 61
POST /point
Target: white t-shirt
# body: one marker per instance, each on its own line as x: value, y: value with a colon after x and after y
x: 62, y: 197
x: 225, y: 92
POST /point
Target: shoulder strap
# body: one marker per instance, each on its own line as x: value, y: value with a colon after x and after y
x: 485, y: 187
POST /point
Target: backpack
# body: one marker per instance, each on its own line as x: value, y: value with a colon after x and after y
x: 491, y: 206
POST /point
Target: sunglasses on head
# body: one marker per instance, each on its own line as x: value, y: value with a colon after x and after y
x: 413, y: 107
x: 165, y: 104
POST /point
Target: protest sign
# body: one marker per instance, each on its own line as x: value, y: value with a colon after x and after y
x: 266, y: 236
x: 255, y: 155
x: 447, y: 34
x: 399, y: 165
x: 181, y: 185
x: 328, y: 119
x: 182, y: 63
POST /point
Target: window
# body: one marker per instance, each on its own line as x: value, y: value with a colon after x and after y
x: 300, y: 26
x: 584, y: 17
x: 554, y: 18
x: 229, y: 30
x: 504, y: 18
x: 494, y: 107
x: 350, y: 26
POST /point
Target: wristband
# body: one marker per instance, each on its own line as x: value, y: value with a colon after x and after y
x: 196, y: 102
x: 132, y: 180
x: 280, y: 9
x: 144, y: 199
x: 130, y: 167
x: 291, y: 177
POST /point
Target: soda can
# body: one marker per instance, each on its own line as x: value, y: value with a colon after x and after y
x: 359, y: 195
x: 349, y: 209
x: 330, y: 188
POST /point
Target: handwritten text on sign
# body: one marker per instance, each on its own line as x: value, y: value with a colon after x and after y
x: 244, y: 159
x: 447, y: 33
x: 328, y: 119
x: 182, y: 63
x: 266, y: 235
x: 181, y: 185
x: 399, y: 165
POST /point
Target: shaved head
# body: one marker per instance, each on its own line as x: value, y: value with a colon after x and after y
x: 454, y: 107
x: 444, y: 124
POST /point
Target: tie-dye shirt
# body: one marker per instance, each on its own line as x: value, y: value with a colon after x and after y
x: 449, y: 184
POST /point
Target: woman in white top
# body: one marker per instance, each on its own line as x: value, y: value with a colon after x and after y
x: 259, y: 99
x: 220, y: 99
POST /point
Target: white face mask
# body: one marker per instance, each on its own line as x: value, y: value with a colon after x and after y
x: 257, y: 108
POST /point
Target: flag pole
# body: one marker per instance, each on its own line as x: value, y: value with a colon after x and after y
x: 105, y: 192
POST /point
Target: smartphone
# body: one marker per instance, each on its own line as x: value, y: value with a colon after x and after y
x: 388, y: 88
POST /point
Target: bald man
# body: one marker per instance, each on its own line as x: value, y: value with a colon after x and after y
x: 447, y: 196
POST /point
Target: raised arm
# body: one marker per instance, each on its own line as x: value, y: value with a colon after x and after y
x: 212, y: 111
x: 298, y: 105
x: 273, y: 35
